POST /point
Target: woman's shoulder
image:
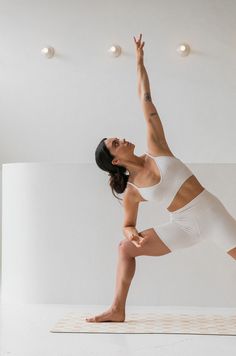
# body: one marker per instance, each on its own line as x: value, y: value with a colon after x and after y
x: 160, y: 152
x: 132, y: 192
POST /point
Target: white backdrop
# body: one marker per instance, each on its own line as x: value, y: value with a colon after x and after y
x: 58, y: 110
x: 61, y: 230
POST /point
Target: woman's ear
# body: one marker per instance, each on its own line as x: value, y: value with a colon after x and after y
x: 115, y: 161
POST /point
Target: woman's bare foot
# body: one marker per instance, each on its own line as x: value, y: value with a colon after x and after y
x: 112, y: 314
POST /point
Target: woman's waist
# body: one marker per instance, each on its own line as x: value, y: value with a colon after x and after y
x: 188, y: 191
x: 191, y: 185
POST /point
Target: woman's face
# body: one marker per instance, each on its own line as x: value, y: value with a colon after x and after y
x: 118, y: 148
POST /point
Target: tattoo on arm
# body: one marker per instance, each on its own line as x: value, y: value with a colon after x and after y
x: 147, y: 97
x: 153, y: 113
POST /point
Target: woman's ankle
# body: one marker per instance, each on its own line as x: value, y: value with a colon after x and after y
x: 117, y: 307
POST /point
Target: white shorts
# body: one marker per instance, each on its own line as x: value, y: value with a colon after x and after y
x: 205, y: 217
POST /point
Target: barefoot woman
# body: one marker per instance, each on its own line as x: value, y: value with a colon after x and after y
x: 157, y: 175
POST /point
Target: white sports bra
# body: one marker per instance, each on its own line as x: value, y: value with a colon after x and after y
x: 173, y: 174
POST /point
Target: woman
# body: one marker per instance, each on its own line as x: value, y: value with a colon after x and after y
x: 195, y: 213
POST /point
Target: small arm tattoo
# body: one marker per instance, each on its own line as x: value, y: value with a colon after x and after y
x: 153, y: 113
x: 147, y: 97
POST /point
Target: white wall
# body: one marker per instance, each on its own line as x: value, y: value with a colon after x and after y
x: 57, y: 110
x: 0, y: 231
x: 60, y: 242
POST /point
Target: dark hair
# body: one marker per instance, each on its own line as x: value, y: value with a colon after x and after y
x: 118, y: 177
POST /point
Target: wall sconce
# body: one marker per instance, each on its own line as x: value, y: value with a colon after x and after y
x: 114, y: 51
x: 183, y: 49
x: 48, y: 52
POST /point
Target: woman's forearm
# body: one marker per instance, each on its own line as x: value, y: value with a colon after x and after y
x: 143, y: 83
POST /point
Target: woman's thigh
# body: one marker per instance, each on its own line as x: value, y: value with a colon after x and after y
x: 219, y: 226
x: 153, y: 245
x: 166, y: 238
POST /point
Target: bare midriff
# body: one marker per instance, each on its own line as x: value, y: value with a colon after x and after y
x: 187, y: 192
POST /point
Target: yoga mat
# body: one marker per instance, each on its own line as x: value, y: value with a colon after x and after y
x: 151, y: 323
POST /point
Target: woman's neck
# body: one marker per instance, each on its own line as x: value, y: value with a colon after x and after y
x: 135, y: 166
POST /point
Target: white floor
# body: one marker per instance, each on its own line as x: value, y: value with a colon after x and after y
x: 24, y: 331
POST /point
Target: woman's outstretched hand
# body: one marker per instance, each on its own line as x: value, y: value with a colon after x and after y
x: 139, y: 49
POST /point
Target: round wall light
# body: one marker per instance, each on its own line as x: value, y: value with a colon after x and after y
x: 114, y: 50
x: 183, y: 49
x: 48, y: 52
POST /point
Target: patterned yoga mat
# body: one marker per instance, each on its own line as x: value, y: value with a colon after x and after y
x: 151, y: 323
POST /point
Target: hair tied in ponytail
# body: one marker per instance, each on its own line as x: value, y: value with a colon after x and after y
x: 118, y: 174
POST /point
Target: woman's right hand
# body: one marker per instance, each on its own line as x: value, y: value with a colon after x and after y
x: 136, y: 240
x: 139, y: 49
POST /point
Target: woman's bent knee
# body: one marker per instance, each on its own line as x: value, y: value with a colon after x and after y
x: 126, y: 247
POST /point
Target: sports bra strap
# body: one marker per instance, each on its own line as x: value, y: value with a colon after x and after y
x: 133, y: 185
x: 150, y: 155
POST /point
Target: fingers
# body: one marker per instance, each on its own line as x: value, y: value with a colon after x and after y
x: 139, y: 40
x: 137, y: 240
x: 138, y: 244
x: 133, y: 239
x: 135, y: 244
x: 143, y: 241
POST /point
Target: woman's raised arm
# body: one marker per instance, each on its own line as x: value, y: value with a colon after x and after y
x: 155, y: 129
